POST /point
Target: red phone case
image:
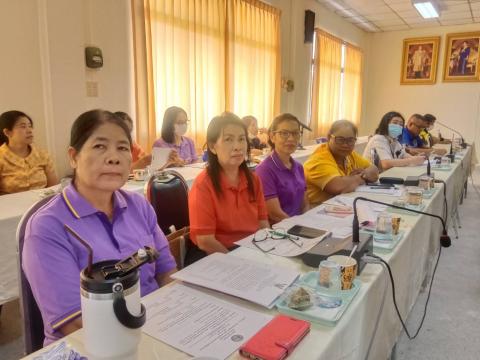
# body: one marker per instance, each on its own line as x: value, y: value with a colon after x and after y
x: 276, y: 340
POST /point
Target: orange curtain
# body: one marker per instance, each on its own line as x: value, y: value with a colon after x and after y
x: 352, y: 88
x: 206, y: 56
x: 326, y: 82
x: 253, y: 77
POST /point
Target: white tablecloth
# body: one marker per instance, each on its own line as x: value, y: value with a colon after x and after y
x: 410, y: 261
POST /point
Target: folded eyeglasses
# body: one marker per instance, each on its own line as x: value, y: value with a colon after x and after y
x: 270, y: 234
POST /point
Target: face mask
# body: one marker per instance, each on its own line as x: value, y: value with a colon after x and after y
x: 180, y: 129
x: 394, y: 130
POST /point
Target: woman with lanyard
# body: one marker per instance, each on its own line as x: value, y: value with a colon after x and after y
x: 385, y: 143
x: 282, y: 177
x: 335, y: 168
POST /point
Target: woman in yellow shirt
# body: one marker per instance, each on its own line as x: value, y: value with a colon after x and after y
x: 22, y: 165
x: 334, y: 168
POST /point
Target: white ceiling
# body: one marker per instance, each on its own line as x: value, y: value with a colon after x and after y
x: 391, y: 15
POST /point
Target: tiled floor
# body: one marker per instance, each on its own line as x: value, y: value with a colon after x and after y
x: 451, y: 329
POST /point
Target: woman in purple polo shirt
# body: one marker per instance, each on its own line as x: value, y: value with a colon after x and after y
x: 115, y: 223
x: 174, y: 127
x: 282, y: 177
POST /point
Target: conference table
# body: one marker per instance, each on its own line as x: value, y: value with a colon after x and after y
x: 13, y: 206
x: 411, y: 262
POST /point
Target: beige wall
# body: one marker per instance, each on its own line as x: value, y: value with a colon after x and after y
x: 44, y: 73
x: 20, y: 70
x: 455, y: 104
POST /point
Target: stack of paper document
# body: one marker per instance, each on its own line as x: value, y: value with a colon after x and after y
x: 197, y: 323
x: 379, y: 190
x: 250, y: 280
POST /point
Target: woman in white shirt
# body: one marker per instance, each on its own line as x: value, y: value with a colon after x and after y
x: 385, y: 142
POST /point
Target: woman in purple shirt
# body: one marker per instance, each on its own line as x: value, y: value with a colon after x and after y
x: 282, y: 177
x: 115, y: 223
x: 174, y: 127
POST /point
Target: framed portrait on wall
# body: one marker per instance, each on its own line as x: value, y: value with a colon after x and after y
x: 461, y: 57
x: 419, y: 60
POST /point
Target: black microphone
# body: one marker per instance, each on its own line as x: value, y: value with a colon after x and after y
x: 429, y: 168
x: 305, y: 126
x: 444, y: 238
x: 463, y: 144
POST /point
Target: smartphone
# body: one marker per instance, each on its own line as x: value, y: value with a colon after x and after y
x: 305, y: 231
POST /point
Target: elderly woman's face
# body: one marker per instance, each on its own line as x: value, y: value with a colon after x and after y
x: 342, y: 141
x: 103, y: 163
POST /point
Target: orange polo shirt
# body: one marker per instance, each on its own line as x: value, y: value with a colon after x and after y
x: 232, y: 215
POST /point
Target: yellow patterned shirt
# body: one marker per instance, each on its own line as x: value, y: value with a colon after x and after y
x: 22, y: 174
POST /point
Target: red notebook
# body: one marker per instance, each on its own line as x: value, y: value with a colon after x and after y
x: 276, y: 340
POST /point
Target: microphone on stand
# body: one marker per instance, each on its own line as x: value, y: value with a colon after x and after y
x: 451, y: 155
x: 445, y: 240
x: 302, y: 126
x: 463, y: 144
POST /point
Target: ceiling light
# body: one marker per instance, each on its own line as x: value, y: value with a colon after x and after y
x: 427, y: 9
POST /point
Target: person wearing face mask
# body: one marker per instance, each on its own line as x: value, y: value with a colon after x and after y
x: 226, y: 201
x: 23, y: 166
x: 174, y: 127
x: 386, y: 144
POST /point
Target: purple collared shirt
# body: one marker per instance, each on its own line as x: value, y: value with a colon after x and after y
x: 286, y: 184
x: 53, y: 258
x: 186, y: 149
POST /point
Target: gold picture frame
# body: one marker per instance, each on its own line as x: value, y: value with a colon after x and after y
x: 419, y: 60
x: 461, y: 57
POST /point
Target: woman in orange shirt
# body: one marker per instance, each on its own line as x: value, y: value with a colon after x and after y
x: 226, y: 202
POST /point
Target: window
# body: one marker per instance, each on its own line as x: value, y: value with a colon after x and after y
x: 207, y: 57
x: 336, y: 77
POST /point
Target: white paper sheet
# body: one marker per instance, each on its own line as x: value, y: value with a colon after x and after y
x: 375, y: 190
x: 198, y: 323
x: 246, y: 279
x: 283, y: 247
x: 159, y: 157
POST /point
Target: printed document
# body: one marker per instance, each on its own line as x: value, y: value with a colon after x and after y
x: 199, y: 324
x: 250, y: 280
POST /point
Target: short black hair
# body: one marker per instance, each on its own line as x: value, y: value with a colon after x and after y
x: 8, y: 120
x: 125, y: 117
x: 84, y: 126
x: 418, y: 116
x: 382, y: 128
x: 277, y: 121
x: 168, y: 125
x: 429, y: 118
x: 342, y: 123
